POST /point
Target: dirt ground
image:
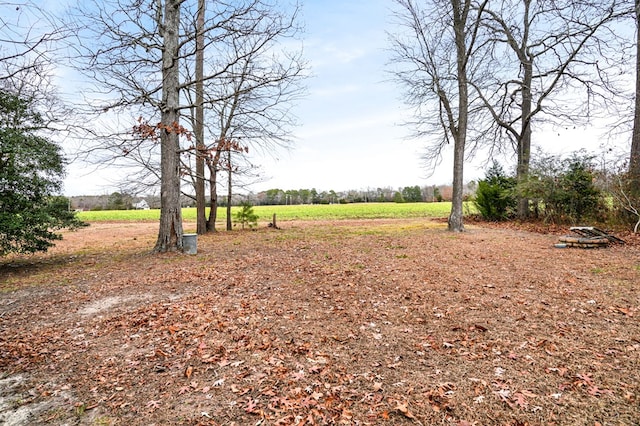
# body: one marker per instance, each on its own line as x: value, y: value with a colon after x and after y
x: 349, y: 322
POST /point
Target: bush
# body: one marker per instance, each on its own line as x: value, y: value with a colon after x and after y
x: 624, y: 191
x: 495, y: 199
x: 31, y: 174
x: 246, y: 216
x: 563, y: 190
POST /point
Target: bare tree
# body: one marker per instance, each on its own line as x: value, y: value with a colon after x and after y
x: 32, y: 43
x: 133, y: 54
x: 543, y: 54
x: 198, y: 125
x: 126, y: 62
x: 436, y: 57
x: 140, y: 59
x: 170, y: 232
x: 249, y: 104
x: 31, y: 39
x: 634, y: 156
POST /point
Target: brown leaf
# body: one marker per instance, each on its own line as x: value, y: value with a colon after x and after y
x: 188, y: 372
x: 628, y: 312
x: 154, y: 405
x: 251, y: 406
x: 403, y: 408
x: 520, y: 400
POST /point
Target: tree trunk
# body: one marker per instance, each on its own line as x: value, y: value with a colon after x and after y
x: 229, y: 194
x: 170, y: 232
x: 213, y: 190
x: 524, y: 142
x: 201, y: 220
x: 634, y: 157
x: 455, y: 223
x: 213, y: 200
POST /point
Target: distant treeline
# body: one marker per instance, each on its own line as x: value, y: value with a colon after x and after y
x: 408, y: 194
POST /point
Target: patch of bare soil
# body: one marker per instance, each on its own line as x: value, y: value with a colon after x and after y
x: 349, y: 322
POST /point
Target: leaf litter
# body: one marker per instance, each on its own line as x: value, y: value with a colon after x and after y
x: 347, y: 322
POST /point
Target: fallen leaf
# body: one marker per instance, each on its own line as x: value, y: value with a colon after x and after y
x: 403, y: 408
x: 299, y: 375
x: 154, y: 405
x: 251, y: 406
x: 520, y: 400
x: 628, y: 312
x: 188, y: 372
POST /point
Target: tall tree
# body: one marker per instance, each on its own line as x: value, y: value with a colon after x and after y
x: 435, y: 57
x: 634, y: 156
x: 198, y: 128
x: 543, y: 53
x: 123, y: 45
x: 132, y: 54
x: 170, y: 232
x: 249, y: 102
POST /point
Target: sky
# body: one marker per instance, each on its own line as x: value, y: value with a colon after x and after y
x: 350, y: 134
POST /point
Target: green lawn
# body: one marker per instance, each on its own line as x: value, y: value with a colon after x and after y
x: 299, y: 212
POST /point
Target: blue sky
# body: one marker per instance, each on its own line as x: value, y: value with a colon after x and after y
x: 350, y: 134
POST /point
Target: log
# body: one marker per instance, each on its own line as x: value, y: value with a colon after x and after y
x: 583, y: 240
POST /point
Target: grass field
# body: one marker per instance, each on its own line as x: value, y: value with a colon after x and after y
x: 297, y: 212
